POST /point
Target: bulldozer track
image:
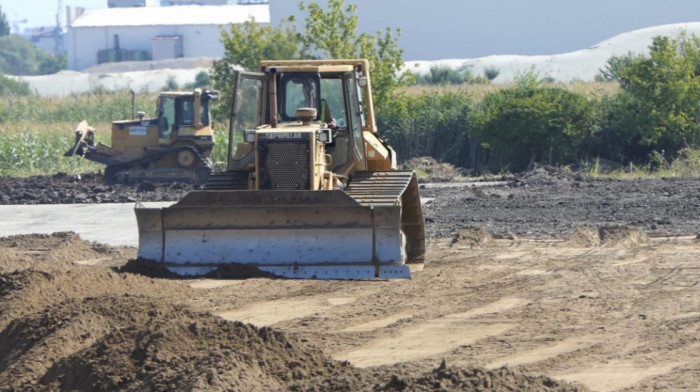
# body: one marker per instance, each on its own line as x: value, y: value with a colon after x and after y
x: 227, y: 181
x: 112, y: 171
x: 379, y: 188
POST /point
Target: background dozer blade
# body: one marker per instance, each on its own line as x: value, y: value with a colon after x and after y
x: 299, y: 234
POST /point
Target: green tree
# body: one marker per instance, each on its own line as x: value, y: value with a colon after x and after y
x: 614, y: 66
x: 18, y: 56
x: 441, y: 75
x: 244, y: 46
x: 52, y: 64
x: 247, y: 43
x: 332, y: 33
x: 4, y: 24
x: 665, y: 88
x: 201, y: 80
x: 619, y: 129
x: 491, y: 73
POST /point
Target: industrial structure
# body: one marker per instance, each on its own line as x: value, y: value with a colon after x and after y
x: 97, y: 36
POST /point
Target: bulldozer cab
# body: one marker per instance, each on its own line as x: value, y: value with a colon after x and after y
x: 337, y: 91
x: 177, y: 111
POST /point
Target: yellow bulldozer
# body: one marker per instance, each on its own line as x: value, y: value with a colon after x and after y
x: 176, y: 145
x: 310, y: 191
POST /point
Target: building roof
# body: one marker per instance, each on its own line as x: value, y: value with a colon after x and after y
x: 45, y: 32
x: 175, y: 15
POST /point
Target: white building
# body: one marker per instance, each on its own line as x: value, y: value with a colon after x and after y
x: 117, y: 34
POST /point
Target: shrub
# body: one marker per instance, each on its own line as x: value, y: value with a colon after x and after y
x: 430, y: 124
x: 491, y: 73
x: 531, y: 123
x: 10, y: 86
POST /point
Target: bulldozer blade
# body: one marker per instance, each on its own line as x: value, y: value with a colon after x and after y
x: 76, y: 144
x: 81, y: 132
x: 300, y: 234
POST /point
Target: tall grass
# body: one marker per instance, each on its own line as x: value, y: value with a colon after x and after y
x: 479, y: 91
x: 36, y: 131
x: 220, y: 152
x: 27, y: 153
x: 94, y: 107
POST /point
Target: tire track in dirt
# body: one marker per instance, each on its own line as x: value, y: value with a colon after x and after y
x: 618, y: 374
x: 542, y: 353
x: 446, y: 333
x: 262, y: 314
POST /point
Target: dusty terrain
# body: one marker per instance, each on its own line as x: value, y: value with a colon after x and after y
x: 545, y: 281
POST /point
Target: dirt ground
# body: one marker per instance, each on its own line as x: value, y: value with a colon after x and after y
x: 545, y: 281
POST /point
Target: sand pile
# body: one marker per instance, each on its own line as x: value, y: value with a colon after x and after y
x: 607, y: 236
x: 471, y: 237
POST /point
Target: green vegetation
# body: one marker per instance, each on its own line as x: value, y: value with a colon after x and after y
x: 644, y: 116
x: 32, y: 153
x: 443, y: 74
x: 531, y: 123
x: 332, y: 33
x: 18, y: 56
x: 95, y: 107
x: 36, y: 131
x: 4, y: 24
x: 428, y: 124
x: 10, y: 86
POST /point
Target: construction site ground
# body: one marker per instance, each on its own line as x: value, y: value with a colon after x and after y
x: 544, y: 281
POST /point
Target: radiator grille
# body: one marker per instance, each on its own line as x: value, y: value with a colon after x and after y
x: 284, y: 165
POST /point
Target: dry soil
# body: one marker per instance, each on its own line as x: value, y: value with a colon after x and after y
x: 545, y: 281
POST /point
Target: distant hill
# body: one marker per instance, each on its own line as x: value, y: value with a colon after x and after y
x: 581, y: 65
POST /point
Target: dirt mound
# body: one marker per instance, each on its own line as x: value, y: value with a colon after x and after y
x: 545, y: 175
x: 62, y: 188
x: 429, y: 169
x: 442, y: 378
x: 608, y: 236
x: 471, y: 237
x: 135, y: 343
x: 476, y: 379
x: 67, y: 326
x: 62, y: 247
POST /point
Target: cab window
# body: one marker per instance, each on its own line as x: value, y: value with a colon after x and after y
x: 204, y: 115
x: 186, y: 112
x: 299, y: 90
x: 333, y: 102
x: 166, y: 116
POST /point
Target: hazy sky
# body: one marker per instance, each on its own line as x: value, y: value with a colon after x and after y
x: 42, y: 12
x: 441, y: 29
x: 438, y: 29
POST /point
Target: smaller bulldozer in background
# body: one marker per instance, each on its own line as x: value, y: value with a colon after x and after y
x: 174, y: 146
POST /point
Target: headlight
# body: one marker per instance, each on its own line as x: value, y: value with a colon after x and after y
x: 324, y: 136
x: 249, y: 136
